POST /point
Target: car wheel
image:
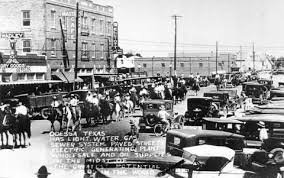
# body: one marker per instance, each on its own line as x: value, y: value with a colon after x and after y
x: 151, y: 120
x: 278, y: 156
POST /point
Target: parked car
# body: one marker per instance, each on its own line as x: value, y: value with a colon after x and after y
x: 222, y: 100
x: 150, y: 109
x: 176, y: 140
x: 218, y: 161
x: 199, y: 107
x: 266, y: 82
x: 258, y: 92
x: 275, y: 125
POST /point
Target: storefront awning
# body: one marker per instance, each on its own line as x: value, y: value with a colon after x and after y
x: 67, y: 77
x: 31, y: 82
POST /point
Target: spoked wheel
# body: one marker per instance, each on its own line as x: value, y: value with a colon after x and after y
x: 159, y: 129
x: 176, y: 126
x: 278, y: 155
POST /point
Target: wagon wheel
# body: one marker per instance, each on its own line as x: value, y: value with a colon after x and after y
x: 45, y: 113
x: 151, y: 120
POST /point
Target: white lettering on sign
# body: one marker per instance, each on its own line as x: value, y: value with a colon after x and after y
x: 69, y: 14
x: 12, y: 65
x: 12, y: 35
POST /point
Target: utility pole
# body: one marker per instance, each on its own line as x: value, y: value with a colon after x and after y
x: 153, y: 65
x: 253, y: 56
x: 216, y: 57
x: 228, y: 63
x: 108, y: 55
x: 241, y: 57
x: 76, y: 46
x: 175, y: 45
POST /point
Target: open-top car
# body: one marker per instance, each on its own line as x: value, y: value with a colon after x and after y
x: 266, y: 82
x: 222, y: 100
x: 199, y: 107
x: 258, y: 92
x: 150, y: 109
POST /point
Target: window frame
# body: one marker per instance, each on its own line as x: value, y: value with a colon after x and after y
x: 25, y: 47
x: 53, y: 47
x: 53, y: 19
x: 26, y: 19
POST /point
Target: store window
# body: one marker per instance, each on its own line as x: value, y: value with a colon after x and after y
x: 200, y: 65
x: 30, y: 76
x: 163, y: 65
x: 144, y: 65
x: 21, y: 76
x: 6, y: 77
x: 181, y: 64
x: 26, y: 18
x: 108, y: 27
x: 39, y: 76
x: 26, y: 45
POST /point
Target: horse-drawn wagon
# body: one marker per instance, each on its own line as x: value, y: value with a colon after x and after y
x: 39, y: 104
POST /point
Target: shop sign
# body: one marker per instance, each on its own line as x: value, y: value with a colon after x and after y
x: 115, y: 37
x: 13, y: 65
x: 9, y: 35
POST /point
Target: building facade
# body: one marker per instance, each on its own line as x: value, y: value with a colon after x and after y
x: 39, y: 20
x: 204, y: 65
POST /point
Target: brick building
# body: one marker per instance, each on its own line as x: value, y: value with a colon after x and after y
x: 39, y: 21
x: 202, y: 64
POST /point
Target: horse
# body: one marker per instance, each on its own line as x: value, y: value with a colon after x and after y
x: 134, y: 98
x: 5, y: 126
x: 76, y: 116
x: 23, y: 129
x: 195, y: 87
x: 90, y: 110
x: 128, y: 106
x: 105, y: 110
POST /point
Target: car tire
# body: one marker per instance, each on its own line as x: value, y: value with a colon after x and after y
x: 44, y: 113
x: 278, y: 156
x: 151, y: 120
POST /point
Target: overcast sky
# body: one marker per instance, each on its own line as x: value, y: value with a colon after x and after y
x: 146, y: 26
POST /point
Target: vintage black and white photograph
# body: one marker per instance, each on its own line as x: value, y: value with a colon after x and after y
x: 141, y: 88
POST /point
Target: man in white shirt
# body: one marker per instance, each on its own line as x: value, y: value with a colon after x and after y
x: 263, y: 135
x: 21, y: 109
x: 55, y: 105
x: 164, y: 115
x: 95, y: 99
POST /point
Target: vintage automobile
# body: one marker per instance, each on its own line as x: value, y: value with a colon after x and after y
x: 258, y: 92
x: 176, y: 140
x: 218, y: 161
x: 199, y: 107
x: 150, y: 109
x: 275, y: 125
x: 222, y: 100
x: 265, y: 82
x: 277, y: 92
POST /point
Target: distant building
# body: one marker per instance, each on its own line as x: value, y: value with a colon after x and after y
x: 204, y: 64
x: 39, y: 21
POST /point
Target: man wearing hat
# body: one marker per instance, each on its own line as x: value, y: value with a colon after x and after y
x: 263, y: 135
x: 21, y: 109
x: 55, y: 104
x: 95, y: 99
x: 42, y: 172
